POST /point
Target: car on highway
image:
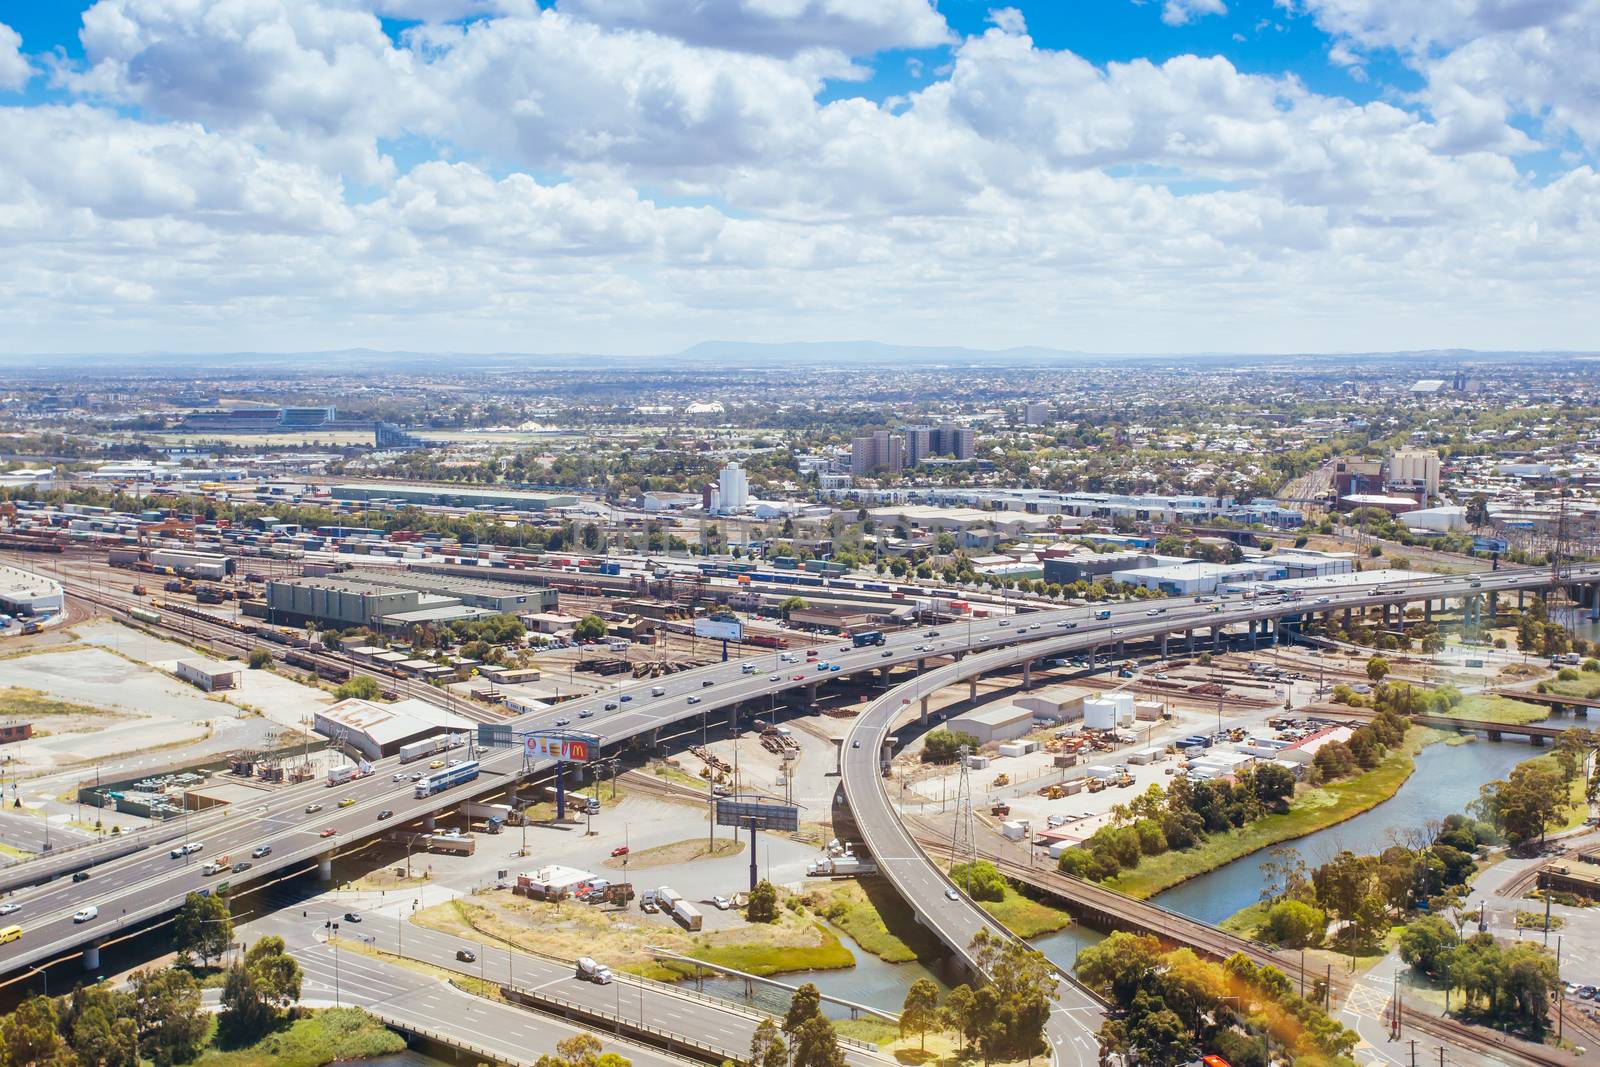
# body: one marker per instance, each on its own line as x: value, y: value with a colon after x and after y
x: 563, y: 721
x: 83, y: 915
x: 312, y: 809
x: 822, y: 666
x: 1323, y: 600
x: 329, y: 832
x: 611, y: 705
x: 186, y: 850
x: 352, y: 917
x: 693, y: 700
x: 1005, y: 622
x: 385, y: 814
x: 466, y: 955
x: 774, y: 678
x: 80, y: 876
x: 436, y: 764
x: 586, y: 712
x: 620, y: 850
x: 1035, y: 626
x: 625, y: 697
x: 706, y: 683
x: 347, y: 802
x: 931, y: 633
x: 1115, y: 631
x: 417, y: 776
x: 951, y: 894
x: 10, y: 907
x: 798, y: 678
x: 855, y: 744
x: 399, y: 776
x: 262, y: 852
x: 886, y: 653
x: 242, y: 866
x: 833, y: 667
x: 1066, y: 626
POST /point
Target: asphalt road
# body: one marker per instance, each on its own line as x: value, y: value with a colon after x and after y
x: 130, y: 889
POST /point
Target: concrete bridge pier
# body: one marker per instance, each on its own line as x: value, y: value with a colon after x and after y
x: 922, y: 665
x: 1427, y: 611
x: 91, y: 956
x: 883, y: 674
x: 428, y: 823
x: 1122, y: 649
x: 922, y: 716
x: 811, y: 693
x: 1164, y: 646
x: 1346, y: 619
x: 325, y: 867
x: 1216, y: 638
x: 1494, y: 604
x: 1027, y: 675
x: 733, y: 719
x: 1521, y: 599
x: 1190, y: 635
x: 1252, y: 635
x: 972, y: 690
x: 1493, y: 735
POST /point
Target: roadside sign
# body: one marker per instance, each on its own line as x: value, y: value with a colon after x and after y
x: 760, y: 814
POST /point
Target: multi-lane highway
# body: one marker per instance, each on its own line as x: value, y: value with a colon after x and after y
x: 133, y: 888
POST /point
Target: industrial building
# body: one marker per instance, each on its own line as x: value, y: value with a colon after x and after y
x: 450, y: 496
x: 1066, y: 570
x: 1189, y: 579
x: 258, y: 420
x: 378, y: 730
x: 208, y: 566
x: 384, y: 600
x: 991, y: 725
x: 1301, y: 563
x: 209, y: 674
x: 25, y: 593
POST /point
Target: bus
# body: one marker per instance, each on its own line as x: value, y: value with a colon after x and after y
x: 10, y: 934
x: 439, y: 781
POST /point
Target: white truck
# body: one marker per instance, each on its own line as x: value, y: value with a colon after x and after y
x: 591, y: 971
x: 416, y: 750
x: 340, y: 775
x: 687, y: 914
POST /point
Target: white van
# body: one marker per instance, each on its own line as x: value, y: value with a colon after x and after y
x: 657, y: 690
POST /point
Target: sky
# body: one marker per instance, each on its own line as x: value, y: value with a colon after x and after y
x: 636, y: 176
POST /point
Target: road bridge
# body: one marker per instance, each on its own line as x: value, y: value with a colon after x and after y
x: 136, y: 888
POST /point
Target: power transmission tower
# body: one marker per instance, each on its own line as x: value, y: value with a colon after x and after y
x: 964, y: 835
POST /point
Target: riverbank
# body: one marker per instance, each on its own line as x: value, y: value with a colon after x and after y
x: 1314, y: 809
x: 332, y: 1035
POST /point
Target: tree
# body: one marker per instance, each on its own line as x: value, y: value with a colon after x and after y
x: 960, y: 1013
x: 816, y: 1044
x: 805, y: 1004
x: 1527, y: 803
x: 360, y: 687
x: 590, y: 628
x: 1377, y: 668
x: 276, y: 973
x: 1295, y: 924
x: 170, y: 1016
x: 792, y: 604
x: 920, y: 1012
x: 332, y: 641
x: 582, y: 1049
x: 944, y: 745
x: 1273, y: 784
x: 29, y: 1036
x: 981, y: 879
x: 246, y: 1016
x: 1426, y: 944
x: 260, y: 658
x: 767, y: 1048
x: 203, y: 926
x: 104, y: 1039
x: 763, y: 906
x: 1478, y: 511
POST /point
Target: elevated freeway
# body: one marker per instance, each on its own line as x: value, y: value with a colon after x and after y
x: 130, y: 889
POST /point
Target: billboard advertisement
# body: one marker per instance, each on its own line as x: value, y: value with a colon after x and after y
x: 757, y: 814
x: 562, y: 749
x: 720, y: 629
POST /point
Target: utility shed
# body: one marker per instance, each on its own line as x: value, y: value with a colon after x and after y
x: 994, y: 724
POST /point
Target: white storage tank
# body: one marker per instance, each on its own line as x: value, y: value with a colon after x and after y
x: 1099, y: 714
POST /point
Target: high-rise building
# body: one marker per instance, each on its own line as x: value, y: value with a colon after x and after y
x: 881, y: 451
x: 733, y: 487
x: 924, y: 442
x: 1037, y: 413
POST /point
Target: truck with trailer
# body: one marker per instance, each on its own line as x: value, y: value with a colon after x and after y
x: 423, y: 749
x: 687, y: 915
x: 338, y: 776
x: 866, y: 638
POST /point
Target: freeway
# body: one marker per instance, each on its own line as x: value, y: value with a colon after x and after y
x: 147, y: 884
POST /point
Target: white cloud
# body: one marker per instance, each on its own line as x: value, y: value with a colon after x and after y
x: 1180, y: 12
x: 779, y: 27
x: 566, y: 184
x: 14, y: 67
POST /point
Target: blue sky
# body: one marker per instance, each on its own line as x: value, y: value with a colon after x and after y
x: 639, y: 175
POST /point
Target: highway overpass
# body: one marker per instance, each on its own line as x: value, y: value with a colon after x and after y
x: 135, y: 888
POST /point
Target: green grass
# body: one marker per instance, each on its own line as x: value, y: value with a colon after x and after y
x: 1485, y: 708
x: 1312, y: 810
x: 767, y: 959
x: 14, y: 853
x: 1247, y: 921
x: 326, y: 1036
x: 868, y: 1028
x: 1587, y: 685
x: 875, y: 917
x: 1025, y: 917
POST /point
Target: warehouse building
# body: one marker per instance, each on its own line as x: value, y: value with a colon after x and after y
x: 205, y: 565
x: 450, y: 496
x: 209, y: 674
x: 25, y: 593
x: 384, y: 600
x: 378, y: 730
x: 992, y: 725
x: 1189, y: 579
x: 1065, y: 570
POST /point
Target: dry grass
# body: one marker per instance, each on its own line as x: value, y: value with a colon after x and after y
x: 624, y: 939
x: 678, y: 852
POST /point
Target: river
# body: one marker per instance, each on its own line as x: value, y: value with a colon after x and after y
x: 1445, y: 781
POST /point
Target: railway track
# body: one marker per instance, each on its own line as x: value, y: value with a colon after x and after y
x: 221, y: 635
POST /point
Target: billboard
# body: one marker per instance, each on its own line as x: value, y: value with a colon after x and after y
x: 720, y: 629
x: 562, y: 749
x: 495, y: 735
x: 762, y: 814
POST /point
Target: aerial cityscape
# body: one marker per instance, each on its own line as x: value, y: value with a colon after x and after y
x: 632, y: 533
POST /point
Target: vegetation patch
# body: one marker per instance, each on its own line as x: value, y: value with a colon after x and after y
x: 1312, y: 810
x: 1486, y: 708
x: 877, y: 918
x: 337, y: 1034
x: 696, y: 848
x: 18, y: 702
